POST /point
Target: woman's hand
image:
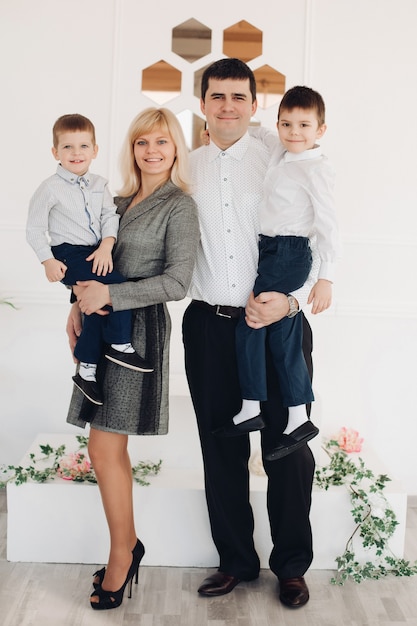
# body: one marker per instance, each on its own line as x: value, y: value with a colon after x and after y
x: 268, y: 307
x: 74, y: 327
x: 92, y: 296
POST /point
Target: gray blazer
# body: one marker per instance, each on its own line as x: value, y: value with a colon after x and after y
x: 155, y: 251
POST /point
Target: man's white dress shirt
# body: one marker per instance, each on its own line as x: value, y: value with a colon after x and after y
x: 228, y: 188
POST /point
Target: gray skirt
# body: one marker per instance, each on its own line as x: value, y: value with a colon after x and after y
x: 135, y: 403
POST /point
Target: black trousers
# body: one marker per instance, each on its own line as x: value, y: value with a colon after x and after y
x: 211, y: 367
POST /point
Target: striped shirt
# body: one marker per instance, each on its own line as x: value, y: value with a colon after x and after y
x: 72, y: 209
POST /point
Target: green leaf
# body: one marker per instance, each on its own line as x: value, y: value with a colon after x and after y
x: 19, y: 475
x: 373, y: 530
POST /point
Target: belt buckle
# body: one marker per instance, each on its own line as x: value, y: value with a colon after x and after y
x: 221, y: 314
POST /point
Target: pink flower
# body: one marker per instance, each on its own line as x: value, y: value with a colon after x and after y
x: 348, y: 440
x: 74, y: 466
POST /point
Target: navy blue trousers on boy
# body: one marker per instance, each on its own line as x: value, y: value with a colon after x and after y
x: 97, y: 329
x: 284, y: 265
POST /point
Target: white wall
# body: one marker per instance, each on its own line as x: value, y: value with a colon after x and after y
x: 87, y: 56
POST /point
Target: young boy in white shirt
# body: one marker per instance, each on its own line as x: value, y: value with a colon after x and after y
x: 76, y: 209
x: 297, y: 206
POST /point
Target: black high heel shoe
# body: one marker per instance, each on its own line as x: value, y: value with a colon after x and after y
x: 98, y: 577
x: 138, y: 552
x: 113, y: 599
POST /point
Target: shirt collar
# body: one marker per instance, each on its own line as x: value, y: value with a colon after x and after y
x: 236, y: 151
x: 70, y: 177
x: 303, y: 156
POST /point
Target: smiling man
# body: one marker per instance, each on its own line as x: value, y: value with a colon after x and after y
x: 228, y: 177
x: 228, y: 106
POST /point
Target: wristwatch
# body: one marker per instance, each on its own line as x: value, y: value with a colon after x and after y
x: 293, y: 304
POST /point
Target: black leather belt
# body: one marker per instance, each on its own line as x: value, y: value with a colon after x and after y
x: 218, y: 309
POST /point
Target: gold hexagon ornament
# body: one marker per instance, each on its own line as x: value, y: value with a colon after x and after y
x: 242, y: 41
x: 270, y: 86
x: 197, y: 81
x: 191, y: 40
x: 192, y: 125
x: 161, y: 82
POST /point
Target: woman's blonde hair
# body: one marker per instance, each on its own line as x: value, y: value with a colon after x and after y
x: 146, y: 122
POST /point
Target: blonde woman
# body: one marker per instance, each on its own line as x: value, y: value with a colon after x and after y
x: 155, y: 251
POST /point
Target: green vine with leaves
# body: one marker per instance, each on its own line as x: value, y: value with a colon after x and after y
x: 374, y: 518
x: 74, y: 466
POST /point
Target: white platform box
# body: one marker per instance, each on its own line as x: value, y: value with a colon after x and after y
x: 63, y: 521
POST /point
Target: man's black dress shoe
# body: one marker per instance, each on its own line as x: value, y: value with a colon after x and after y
x: 293, y: 441
x: 293, y: 592
x: 235, y: 430
x: 218, y: 585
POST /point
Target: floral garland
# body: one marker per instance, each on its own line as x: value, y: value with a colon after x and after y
x: 74, y: 466
x: 374, y: 518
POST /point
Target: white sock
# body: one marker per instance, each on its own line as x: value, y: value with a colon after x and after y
x: 250, y: 408
x: 87, y: 371
x: 297, y: 415
x: 123, y: 347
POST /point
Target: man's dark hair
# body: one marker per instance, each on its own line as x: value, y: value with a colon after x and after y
x: 228, y: 68
x: 303, y: 98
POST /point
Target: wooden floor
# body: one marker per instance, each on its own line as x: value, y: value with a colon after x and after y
x: 41, y: 594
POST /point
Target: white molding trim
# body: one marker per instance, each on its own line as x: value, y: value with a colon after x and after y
x: 12, y: 227
x: 38, y: 297
x: 342, y: 308
x: 308, y: 40
x: 398, y: 310
x: 350, y: 239
x: 112, y: 163
x: 359, y: 240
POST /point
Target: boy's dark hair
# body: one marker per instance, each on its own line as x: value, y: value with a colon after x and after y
x: 70, y: 123
x: 303, y: 98
x: 228, y: 68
